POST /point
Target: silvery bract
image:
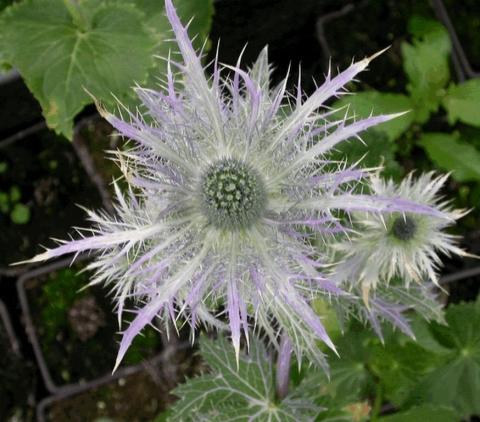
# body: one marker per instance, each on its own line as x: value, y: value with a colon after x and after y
x: 228, y: 181
x: 401, y: 245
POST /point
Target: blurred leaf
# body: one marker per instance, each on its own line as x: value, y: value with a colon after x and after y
x: 426, y: 64
x: 399, y: 367
x: 342, y: 395
x: 15, y: 194
x: 451, y: 154
x: 329, y: 318
x: 60, y: 56
x: 231, y: 392
x: 163, y: 417
x: 456, y: 382
x: 423, y: 27
x: 4, y: 65
x: 426, y: 413
x: 4, y: 202
x: 20, y: 214
x: 365, y: 103
x: 462, y: 102
x: 350, y: 379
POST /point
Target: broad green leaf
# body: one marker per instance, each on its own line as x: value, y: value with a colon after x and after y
x: 399, y: 366
x: 462, y: 102
x: 60, y: 58
x: 421, y: 27
x: 425, y: 413
x: 342, y: 395
x: 349, y: 377
x: 451, y: 154
x: 456, y: 382
x: 234, y: 392
x: 426, y: 64
x: 365, y: 103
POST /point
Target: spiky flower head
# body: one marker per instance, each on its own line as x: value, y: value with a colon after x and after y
x: 399, y: 245
x: 228, y: 180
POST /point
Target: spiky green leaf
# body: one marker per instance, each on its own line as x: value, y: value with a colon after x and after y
x: 236, y: 393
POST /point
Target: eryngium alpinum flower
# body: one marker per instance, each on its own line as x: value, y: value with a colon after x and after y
x: 405, y: 245
x: 228, y: 179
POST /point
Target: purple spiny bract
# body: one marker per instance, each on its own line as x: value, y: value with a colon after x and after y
x: 229, y: 181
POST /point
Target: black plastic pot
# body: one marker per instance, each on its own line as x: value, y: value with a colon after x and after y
x: 17, y: 381
x: 7, y: 326
x: 74, y: 334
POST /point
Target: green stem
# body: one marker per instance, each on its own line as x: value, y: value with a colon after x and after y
x: 77, y: 15
x: 377, y: 404
x: 283, y: 366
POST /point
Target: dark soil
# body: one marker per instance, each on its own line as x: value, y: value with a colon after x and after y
x: 46, y: 178
x: 466, y: 21
x: 18, y: 109
x: 351, y: 29
x: 137, y: 398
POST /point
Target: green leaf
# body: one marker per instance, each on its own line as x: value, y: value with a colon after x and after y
x: 163, y: 417
x: 342, y: 395
x: 426, y: 64
x: 365, y: 103
x: 349, y: 377
x: 425, y: 413
x: 15, y: 194
x: 462, y: 102
x: 61, y: 56
x: 234, y: 392
x: 449, y: 153
x: 4, y: 202
x: 456, y: 382
x: 20, y: 214
x: 399, y: 366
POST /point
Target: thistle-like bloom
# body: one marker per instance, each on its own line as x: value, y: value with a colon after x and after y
x: 228, y: 181
x: 398, y: 245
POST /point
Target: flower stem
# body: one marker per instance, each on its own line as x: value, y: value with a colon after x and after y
x: 283, y: 366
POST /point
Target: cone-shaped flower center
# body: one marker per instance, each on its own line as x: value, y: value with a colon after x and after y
x: 404, y: 228
x: 233, y: 194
